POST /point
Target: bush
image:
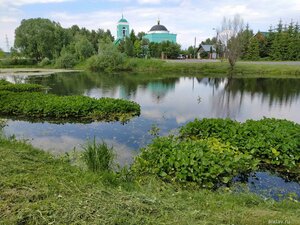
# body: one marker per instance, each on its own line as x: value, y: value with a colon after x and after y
x: 45, y: 62
x: 98, y: 157
x: 18, y: 61
x: 108, y: 59
x: 207, y: 162
x: 66, y: 61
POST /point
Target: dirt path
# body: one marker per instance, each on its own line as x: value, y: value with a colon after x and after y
x: 32, y: 71
x: 297, y: 63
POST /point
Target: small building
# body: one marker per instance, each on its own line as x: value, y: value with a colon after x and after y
x: 122, y: 30
x: 159, y: 33
x: 206, y: 51
x: 262, y: 36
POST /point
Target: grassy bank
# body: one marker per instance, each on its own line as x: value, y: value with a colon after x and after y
x: 216, y: 69
x: 37, y: 188
x: 195, y: 68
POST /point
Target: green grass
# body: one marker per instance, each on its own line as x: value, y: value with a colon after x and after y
x: 98, y: 157
x: 215, y: 69
x: 37, y: 188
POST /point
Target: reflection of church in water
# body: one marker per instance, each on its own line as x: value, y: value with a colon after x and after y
x: 158, y: 89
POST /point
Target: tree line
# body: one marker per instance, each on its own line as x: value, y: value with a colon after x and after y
x: 46, y: 42
x: 279, y: 43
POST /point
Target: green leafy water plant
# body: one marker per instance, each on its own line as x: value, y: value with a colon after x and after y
x: 276, y: 143
x: 208, y: 162
x: 7, y: 86
x: 23, y: 101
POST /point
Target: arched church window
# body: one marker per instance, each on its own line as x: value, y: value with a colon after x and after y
x: 124, y: 31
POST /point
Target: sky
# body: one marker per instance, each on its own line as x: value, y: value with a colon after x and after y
x: 189, y: 19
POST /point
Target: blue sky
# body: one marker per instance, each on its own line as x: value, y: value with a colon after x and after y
x: 187, y: 18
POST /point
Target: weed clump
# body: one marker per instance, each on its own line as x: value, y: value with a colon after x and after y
x: 98, y: 157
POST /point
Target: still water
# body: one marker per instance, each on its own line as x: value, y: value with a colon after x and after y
x: 166, y: 103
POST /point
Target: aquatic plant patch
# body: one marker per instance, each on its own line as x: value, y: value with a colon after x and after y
x: 41, y: 105
x: 207, y: 162
x: 276, y: 143
x: 6, y: 86
x: 211, y: 152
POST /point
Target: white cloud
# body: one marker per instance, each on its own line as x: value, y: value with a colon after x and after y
x: 187, y: 18
x: 27, y: 2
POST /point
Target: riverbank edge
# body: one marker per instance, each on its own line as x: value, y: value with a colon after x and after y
x: 37, y: 187
x: 198, y: 68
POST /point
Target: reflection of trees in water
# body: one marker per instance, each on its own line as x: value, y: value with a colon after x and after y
x: 228, y: 101
x: 127, y: 84
x: 212, y: 82
x: 282, y: 91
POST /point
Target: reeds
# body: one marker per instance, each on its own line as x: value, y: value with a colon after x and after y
x: 98, y: 157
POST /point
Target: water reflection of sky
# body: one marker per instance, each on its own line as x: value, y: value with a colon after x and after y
x: 167, y: 103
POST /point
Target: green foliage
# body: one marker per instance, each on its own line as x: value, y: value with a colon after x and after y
x: 2, y: 54
x: 66, y: 61
x: 18, y: 61
x: 108, y: 59
x: 282, y: 43
x: 98, y: 157
x: 211, y: 152
x: 40, y: 105
x: 207, y: 162
x: 276, y: 143
x: 83, y: 48
x: 253, y: 50
x: 45, y: 62
x: 39, y: 38
x: 129, y: 47
x: 39, y: 188
x: 7, y: 86
x: 171, y: 50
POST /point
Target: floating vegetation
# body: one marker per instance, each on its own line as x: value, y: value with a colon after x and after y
x: 20, y: 100
x: 211, y: 152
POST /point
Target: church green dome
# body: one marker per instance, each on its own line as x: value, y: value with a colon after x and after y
x: 123, y: 20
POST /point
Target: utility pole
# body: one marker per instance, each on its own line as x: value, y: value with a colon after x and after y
x: 195, y: 48
x: 7, y: 43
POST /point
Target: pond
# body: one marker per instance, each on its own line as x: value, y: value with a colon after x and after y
x: 167, y: 102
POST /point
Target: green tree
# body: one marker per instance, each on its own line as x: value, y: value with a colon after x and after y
x: 128, y: 47
x: 108, y: 58
x: 138, y: 48
x: 253, y: 49
x: 140, y: 35
x: 39, y: 38
x: 2, y: 54
x: 246, y: 35
x: 83, y: 48
x: 132, y: 36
